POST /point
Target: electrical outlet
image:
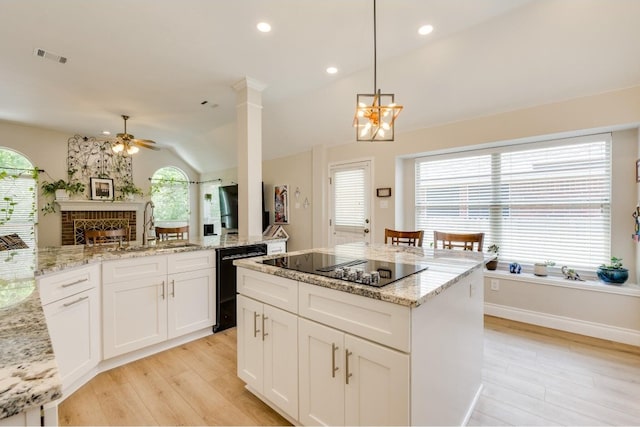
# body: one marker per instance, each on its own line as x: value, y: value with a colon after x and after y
x: 495, y: 285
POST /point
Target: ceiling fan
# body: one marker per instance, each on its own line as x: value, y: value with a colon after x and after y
x: 125, y: 142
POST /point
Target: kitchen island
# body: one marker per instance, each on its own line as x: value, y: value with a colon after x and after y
x: 322, y: 350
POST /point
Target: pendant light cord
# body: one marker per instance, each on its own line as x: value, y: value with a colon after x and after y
x: 375, y: 65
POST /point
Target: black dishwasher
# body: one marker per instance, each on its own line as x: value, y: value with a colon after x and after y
x: 226, y: 282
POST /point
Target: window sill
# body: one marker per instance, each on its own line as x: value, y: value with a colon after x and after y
x: 630, y: 289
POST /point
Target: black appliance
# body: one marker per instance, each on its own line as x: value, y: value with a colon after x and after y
x: 226, y: 282
x: 363, y: 271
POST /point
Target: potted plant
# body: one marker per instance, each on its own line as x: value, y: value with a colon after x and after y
x: 540, y: 268
x: 613, y: 273
x: 61, y: 189
x: 493, y: 264
x: 129, y: 190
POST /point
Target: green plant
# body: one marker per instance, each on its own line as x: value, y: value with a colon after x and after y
x: 549, y: 263
x: 616, y: 264
x: 494, y: 248
x: 49, y: 189
x: 129, y: 187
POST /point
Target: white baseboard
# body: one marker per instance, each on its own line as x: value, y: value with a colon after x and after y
x: 582, y: 327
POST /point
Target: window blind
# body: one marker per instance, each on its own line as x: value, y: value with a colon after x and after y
x: 349, y: 198
x: 545, y: 201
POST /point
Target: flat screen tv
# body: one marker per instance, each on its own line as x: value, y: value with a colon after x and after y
x: 229, y: 206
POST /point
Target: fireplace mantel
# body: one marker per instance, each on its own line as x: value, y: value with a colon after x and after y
x: 100, y: 205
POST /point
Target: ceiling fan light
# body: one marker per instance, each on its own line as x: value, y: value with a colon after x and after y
x: 132, y: 149
x: 118, y: 147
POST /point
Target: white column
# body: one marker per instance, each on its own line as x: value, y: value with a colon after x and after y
x: 249, y: 141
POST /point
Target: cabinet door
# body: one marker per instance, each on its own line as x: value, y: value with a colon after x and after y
x: 250, y: 349
x: 280, y: 332
x: 322, y: 378
x: 191, y: 298
x: 134, y: 315
x: 377, y: 387
x: 74, y: 327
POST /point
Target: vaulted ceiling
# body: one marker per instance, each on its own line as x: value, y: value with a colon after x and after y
x: 158, y: 60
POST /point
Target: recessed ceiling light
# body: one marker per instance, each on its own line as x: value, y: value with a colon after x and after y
x: 425, y: 29
x: 263, y: 27
x: 332, y: 70
x: 106, y: 132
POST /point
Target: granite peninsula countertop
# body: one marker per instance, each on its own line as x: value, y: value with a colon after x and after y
x: 28, y: 369
x: 54, y: 259
x: 446, y: 267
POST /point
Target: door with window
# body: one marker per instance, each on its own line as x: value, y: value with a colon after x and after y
x: 350, y: 203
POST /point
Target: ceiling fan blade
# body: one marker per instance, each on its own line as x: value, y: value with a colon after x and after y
x: 140, y: 143
x: 148, y: 141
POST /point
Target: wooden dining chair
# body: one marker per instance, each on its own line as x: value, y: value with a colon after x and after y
x: 169, y: 233
x: 98, y: 237
x: 464, y: 241
x: 407, y: 238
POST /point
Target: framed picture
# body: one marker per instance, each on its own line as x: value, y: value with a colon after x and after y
x: 281, y: 204
x: 383, y: 192
x: 638, y: 170
x: 101, y: 189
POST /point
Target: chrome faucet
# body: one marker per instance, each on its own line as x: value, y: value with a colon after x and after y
x: 148, y: 223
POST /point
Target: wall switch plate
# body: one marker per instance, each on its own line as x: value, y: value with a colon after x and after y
x: 495, y: 285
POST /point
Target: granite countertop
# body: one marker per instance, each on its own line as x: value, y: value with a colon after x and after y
x: 54, y: 259
x: 28, y: 370
x: 446, y: 267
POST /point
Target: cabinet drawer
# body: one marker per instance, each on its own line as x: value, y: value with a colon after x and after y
x: 56, y: 286
x: 134, y: 268
x: 273, y: 290
x: 191, y: 261
x: 380, y: 321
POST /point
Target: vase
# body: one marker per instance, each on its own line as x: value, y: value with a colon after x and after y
x: 492, y: 265
x: 613, y: 276
x: 540, y: 269
x: 62, y: 195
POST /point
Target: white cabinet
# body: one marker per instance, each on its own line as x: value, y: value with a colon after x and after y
x: 267, y: 352
x: 148, y: 300
x: 71, y: 304
x: 345, y: 380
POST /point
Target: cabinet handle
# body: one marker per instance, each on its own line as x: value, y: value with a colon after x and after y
x: 264, y: 333
x: 173, y: 288
x: 66, y: 285
x: 162, y: 289
x: 334, y: 348
x: 76, y: 301
x: 348, y: 374
x: 255, y: 324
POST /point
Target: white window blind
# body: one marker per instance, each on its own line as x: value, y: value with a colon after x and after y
x: 545, y: 201
x: 17, y: 213
x: 349, y: 204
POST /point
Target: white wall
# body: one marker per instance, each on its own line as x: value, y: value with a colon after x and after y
x: 47, y: 149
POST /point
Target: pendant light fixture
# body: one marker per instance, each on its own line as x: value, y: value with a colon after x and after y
x: 376, y: 112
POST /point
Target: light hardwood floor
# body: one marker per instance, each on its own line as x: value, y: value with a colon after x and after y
x: 531, y: 376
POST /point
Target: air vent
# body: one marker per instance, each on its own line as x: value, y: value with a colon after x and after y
x: 49, y: 55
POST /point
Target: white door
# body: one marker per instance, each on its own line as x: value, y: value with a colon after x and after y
x: 350, y: 203
x: 74, y: 327
x: 281, y: 359
x: 377, y: 390
x: 322, y: 378
x: 134, y: 315
x: 191, y: 301
x: 250, y: 348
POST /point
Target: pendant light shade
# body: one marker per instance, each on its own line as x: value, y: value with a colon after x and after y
x: 376, y: 112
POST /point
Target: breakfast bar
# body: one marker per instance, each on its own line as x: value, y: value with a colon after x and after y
x: 321, y: 347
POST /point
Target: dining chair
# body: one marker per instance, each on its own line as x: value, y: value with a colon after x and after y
x: 464, y: 241
x: 408, y: 238
x: 169, y: 233
x: 98, y: 237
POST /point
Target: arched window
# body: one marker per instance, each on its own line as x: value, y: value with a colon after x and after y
x: 17, y: 213
x: 170, y: 196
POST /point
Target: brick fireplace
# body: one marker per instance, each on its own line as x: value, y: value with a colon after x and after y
x: 98, y: 215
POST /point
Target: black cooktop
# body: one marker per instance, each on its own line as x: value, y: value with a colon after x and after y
x: 364, y: 271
